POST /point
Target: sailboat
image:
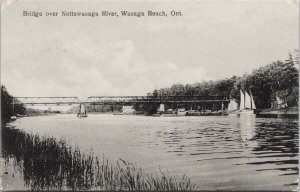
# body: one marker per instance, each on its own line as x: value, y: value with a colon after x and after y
x: 82, y: 111
x: 232, y: 107
x: 247, y: 104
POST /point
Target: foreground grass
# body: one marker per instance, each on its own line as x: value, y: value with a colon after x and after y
x: 48, y: 163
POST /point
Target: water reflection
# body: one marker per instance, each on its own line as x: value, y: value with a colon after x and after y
x: 248, y: 130
x: 45, y: 163
x: 277, y: 140
x: 239, y: 141
x: 243, y: 151
x: 48, y: 164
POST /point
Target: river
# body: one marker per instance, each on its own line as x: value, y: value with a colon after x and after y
x: 216, y: 152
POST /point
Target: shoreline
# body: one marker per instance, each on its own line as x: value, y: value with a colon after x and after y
x: 80, y: 169
x: 292, y: 112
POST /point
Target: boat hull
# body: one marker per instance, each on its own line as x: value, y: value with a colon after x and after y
x: 247, y: 112
x: 233, y: 113
x: 82, y: 115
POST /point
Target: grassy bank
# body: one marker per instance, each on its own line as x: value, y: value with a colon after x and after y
x: 47, y: 163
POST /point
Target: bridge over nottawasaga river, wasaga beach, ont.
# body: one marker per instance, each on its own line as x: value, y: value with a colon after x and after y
x: 195, y: 102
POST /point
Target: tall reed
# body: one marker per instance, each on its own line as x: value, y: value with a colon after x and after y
x: 51, y: 164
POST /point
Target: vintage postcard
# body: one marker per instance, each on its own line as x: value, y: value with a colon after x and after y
x: 151, y: 95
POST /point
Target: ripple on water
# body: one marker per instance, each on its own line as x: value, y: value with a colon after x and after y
x: 216, y: 152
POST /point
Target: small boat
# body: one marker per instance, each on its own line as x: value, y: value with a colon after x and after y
x: 247, y: 105
x: 233, y: 113
x: 82, y: 111
x: 181, y: 112
x: 233, y: 108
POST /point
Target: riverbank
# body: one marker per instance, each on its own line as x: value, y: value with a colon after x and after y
x: 289, y: 112
x: 66, y: 167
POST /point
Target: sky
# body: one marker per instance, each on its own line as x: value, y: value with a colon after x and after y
x: 100, y: 56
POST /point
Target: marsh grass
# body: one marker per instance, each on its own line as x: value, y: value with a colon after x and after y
x: 51, y: 164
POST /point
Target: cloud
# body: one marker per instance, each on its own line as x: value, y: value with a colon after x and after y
x: 87, y: 56
x: 84, y: 69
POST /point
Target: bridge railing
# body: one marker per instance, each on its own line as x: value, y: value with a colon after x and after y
x: 46, y: 100
x: 118, y: 100
x: 154, y: 99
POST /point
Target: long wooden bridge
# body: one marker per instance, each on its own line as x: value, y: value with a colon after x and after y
x: 120, y: 100
x: 46, y: 100
x: 152, y: 103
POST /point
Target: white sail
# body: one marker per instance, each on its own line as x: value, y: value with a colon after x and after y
x: 232, y: 105
x: 247, y: 101
x: 252, y: 103
x: 242, y: 101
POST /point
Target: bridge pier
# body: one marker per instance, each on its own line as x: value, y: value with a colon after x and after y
x: 128, y: 109
x: 82, y: 110
x: 161, y: 108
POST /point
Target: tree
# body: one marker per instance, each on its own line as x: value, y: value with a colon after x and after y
x: 7, y: 109
x: 265, y: 84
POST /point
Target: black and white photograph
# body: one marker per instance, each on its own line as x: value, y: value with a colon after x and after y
x: 149, y: 95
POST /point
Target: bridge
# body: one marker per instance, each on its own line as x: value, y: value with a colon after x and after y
x: 46, y: 100
x: 125, y: 100
x: 214, y: 102
x: 118, y: 100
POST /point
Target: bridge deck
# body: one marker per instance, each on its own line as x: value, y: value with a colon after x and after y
x: 119, y: 100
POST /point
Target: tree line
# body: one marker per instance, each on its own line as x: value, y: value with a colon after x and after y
x: 7, y: 109
x: 279, y: 79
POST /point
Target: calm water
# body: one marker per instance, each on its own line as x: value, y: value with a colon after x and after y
x: 228, y: 152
